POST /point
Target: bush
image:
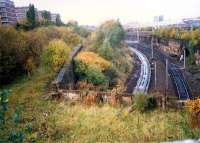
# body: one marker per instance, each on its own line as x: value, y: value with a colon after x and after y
x: 143, y: 102
x: 20, y: 52
x: 112, y: 76
x: 91, y: 67
x: 89, y: 73
x: 12, y: 54
x: 106, y: 50
x: 90, y: 58
x: 193, y: 107
x: 68, y: 35
x: 56, y: 54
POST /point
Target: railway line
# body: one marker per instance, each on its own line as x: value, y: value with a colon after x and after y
x: 143, y: 82
x: 181, y: 85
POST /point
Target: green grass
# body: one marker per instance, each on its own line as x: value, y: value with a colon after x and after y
x: 54, y: 121
x: 107, y: 124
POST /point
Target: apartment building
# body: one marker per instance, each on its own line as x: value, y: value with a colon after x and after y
x: 53, y: 17
x: 40, y: 15
x: 21, y: 13
x: 7, y: 12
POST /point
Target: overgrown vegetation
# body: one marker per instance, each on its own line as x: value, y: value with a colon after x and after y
x: 28, y: 115
x: 192, y: 38
x: 56, y: 54
x: 143, y: 102
x: 32, y: 21
x: 26, y: 51
x: 194, y: 110
x: 90, y: 67
x: 106, y: 42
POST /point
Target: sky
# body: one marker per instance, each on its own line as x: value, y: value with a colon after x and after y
x: 94, y: 12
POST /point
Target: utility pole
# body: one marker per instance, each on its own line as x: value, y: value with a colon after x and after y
x: 152, y: 52
x: 164, y: 99
x: 138, y: 37
x: 166, y: 78
x: 184, y: 56
x: 155, y: 68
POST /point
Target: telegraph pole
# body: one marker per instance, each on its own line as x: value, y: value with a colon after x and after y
x: 184, y: 56
x: 152, y: 52
x: 166, y: 78
x: 138, y: 37
x: 164, y: 100
x: 155, y: 68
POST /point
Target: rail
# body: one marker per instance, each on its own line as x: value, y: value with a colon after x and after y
x: 181, y: 85
x: 143, y: 82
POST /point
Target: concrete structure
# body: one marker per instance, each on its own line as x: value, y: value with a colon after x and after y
x: 40, y: 17
x: 40, y: 14
x: 192, y: 22
x: 21, y: 13
x: 53, y: 17
x: 7, y: 12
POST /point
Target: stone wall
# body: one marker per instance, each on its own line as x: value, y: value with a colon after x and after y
x: 172, y: 47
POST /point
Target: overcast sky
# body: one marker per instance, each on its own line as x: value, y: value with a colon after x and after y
x: 94, y: 12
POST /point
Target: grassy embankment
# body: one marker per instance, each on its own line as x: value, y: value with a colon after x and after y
x: 57, y: 121
x: 61, y: 122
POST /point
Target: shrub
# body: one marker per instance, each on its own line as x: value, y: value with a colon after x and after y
x: 112, y: 76
x: 20, y: 52
x: 90, y: 58
x: 69, y: 36
x: 89, y: 73
x: 56, y: 54
x: 12, y: 53
x: 106, y: 50
x: 90, y: 67
x: 193, y: 107
x: 141, y: 102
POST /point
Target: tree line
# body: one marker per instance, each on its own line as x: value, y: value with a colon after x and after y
x: 32, y: 21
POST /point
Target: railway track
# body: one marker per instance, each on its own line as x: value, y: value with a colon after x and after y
x: 179, y: 81
x: 181, y: 85
x: 143, y: 82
